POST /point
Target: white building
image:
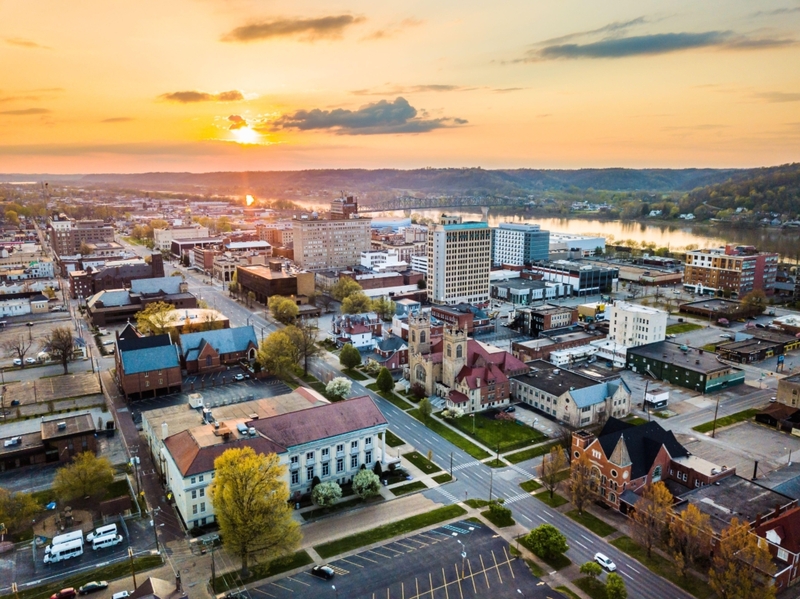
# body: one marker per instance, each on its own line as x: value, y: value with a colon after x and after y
x: 331, y: 442
x: 383, y: 261
x: 517, y: 244
x: 632, y: 325
x: 419, y: 264
x: 459, y: 260
x: 15, y: 307
x: 162, y: 238
x: 586, y: 244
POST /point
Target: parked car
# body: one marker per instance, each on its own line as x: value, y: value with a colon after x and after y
x: 325, y: 572
x: 239, y: 377
x: 121, y: 595
x: 773, y: 399
x: 68, y: 593
x: 17, y: 362
x: 30, y: 360
x: 91, y: 587
x: 605, y: 562
x: 509, y: 409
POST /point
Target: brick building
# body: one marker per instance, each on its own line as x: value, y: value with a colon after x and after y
x: 210, y: 351
x: 58, y: 440
x: 274, y: 279
x: 146, y: 366
x: 85, y: 283
x: 733, y: 269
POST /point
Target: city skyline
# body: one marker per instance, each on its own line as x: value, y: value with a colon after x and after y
x: 208, y: 85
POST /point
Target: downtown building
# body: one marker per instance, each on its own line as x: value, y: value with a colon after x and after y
x: 737, y: 270
x: 335, y: 243
x: 67, y: 235
x: 459, y: 260
x: 519, y: 244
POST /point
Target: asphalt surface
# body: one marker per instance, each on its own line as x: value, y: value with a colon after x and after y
x: 428, y: 564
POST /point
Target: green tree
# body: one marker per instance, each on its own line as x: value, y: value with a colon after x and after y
x: 615, y: 587
x: 85, y: 475
x: 366, y: 484
x: 283, y: 309
x: 756, y: 300
x: 278, y: 354
x: 17, y: 509
x: 326, y: 494
x: 349, y: 357
x: 383, y: 307
x: 339, y: 387
x: 550, y: 470
x: 344, y: 287
x: 651, y: 516
x: 425, y: 408
x: 250, y: 499
x: 60, y: 344
x: 546, y: 541
x: 740, y: 565
x: 155, y: 319
x: 591, y: 569
x: 357, y: 303
x: 384, y: 382
x: 304, y: 337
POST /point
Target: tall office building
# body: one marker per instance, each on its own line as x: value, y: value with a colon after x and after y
x: 67, y: 235
x: 633, y: 325
x: 459, y: 260
x: 335, y: 243
x: 738, y: 270
x: 519, y: 244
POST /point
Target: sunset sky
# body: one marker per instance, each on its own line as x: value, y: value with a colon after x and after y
x: 201, y: 85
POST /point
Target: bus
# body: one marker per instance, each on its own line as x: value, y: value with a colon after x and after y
x: 75, y: 535
x: 64, y: 551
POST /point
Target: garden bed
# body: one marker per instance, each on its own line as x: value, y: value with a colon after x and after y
x: 451, y: 436
x: 417, y: 485
x: 421, y: 462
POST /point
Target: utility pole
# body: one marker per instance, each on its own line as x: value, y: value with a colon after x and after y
x: 156, y: 510
x: 451, y: 464
x: 491, y: 483
x: 644, y: 399
x: 133, y: 570
x: 714, y: 428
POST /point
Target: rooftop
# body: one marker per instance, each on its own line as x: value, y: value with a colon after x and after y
x: 149, y: 359
x: 167, y: 285
x: 553, y: 380
x: 73, y: 425
x: 690, y: 358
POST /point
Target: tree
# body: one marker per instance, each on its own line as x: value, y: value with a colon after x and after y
x: 357, y: 303
x: 155, y: 318
x: 366, y: 484
x: 383, y: 307
x: 326, y: 494
x: 283, y: 309
x: 650, y: 517
x: 615, y: 587
x: 418, y: 391
x: 339, y: 387
x: 425, y: 408
x: 546, y: 541
x: 17, y: 509
x: 344, y: 287
x: 377, y: 468
x: 739, y: 564
x: 250, y: 499
x: 251, y: 297
x: 690, y: 537
x: 384, y: 382
x: 580, y: 482
x: 552, y: 465
x: 304, y: 337
x: 84, y: 249
x: 323, y: 299
x: 756, y: 299
x: 17, y: 347
x: 158, y: 223
x: 349, y: 357
x: 60, y: 345
x: 86, y: 475
x: 278, y: 354
x: 591, y: 569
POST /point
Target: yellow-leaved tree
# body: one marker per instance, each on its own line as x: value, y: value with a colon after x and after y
x: 250, y: 498
x: 741, y: 568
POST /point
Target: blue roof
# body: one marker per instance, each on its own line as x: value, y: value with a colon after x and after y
x: 147, y: 360
x: 167, y: 285
x: 225, y: 341
x: 590, y: 396
x: 110, y: 298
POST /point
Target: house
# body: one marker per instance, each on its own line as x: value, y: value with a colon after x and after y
x: 782, y: 535
x: 146, y: 366
x: 209, y: 351
x: 780, y: 416
x: 359, y: 330
x: 391, y: 352
x: 331, y: 442
x: 625, y: 458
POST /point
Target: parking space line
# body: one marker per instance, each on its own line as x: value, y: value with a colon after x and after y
x: 431, y: 539
x: 414, y: 540
x: 280, y: 587
x: 497, y: 567
x: 485, y: 574
x: 472, y: 576
x: 430, y: 582
x: 508, y: 561
x: 390, y: 549
x: 295, y: 580
x: 409, y: 547
x: 262, y: 592
x: 359, y: 556
x: 402, y: 590
x: 444, y: 578
x: 341, y: 571
x: 377, y: 553
x: 460, y: 591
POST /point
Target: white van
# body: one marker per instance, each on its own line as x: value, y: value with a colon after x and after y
x: 75, y: 535
x: 64, y: 551
x: 106, y: 541
x: 103, y: 531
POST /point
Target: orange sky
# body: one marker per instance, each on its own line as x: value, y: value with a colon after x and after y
x: 199, y: 85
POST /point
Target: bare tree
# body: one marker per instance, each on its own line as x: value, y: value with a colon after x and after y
x: 17, y: 347
x: 60, y: 345
x: 580, y: 482
x: 304, y: 336
x: 550, y: 470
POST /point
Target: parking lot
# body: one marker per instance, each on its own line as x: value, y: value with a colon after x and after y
x: 462, y: 560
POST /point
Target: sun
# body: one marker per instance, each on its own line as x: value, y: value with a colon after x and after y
x: 246, y: 135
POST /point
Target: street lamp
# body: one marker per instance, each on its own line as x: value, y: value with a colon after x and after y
x: 333, y: 586
x: 463, y: 556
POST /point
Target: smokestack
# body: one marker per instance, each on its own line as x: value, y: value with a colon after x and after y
x: 755, y: 470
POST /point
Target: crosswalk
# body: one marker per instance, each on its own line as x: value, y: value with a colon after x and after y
x: 520, y: 471
x: 446, y: 494
x: 466, y: 465
x: 517, y: 497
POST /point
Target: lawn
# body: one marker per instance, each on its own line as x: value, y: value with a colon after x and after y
x: 355, y: 375
x: 555, y: 501
x: 503, y: 434
x: 393, y: 440
x: 421, y: 462
x: 635, y: 420
x: 664, y: 568
x: 451, y: 435
x: 529, y: 454
x: 682, y: 327
x: 566, y: 592
x: 500, y: 522
x: 593, y: 523
x: 707, y: 427
x: 710, y: 347
x: 442, y: 478
x: 477, y: 503
x: 387, y: 531
x: 417, y: 485
x: 259, y: 571
x: 592, y: 587
x: 530, y: 486
x: 391, y: 397
x: 496, y: 463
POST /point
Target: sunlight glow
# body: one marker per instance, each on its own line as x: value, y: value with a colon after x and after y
x: 245, y: 135
x: 249, y: 199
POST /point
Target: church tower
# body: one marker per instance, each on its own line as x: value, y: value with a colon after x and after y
x: 419, y: 333
x: 455, y: 354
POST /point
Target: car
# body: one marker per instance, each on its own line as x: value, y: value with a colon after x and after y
x: 121, y: 595
x: 509, y: 409
x: 773, y: 399
x: 91, y: 587
x: 68, y: 593
x: 605, y: 561
x: 671, y: 336
x: 325, y: 572
x: 239, y: 377
x: 17, y: 362
x: 30, y: 360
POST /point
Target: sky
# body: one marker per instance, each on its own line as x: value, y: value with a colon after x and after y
x: 91, y: 86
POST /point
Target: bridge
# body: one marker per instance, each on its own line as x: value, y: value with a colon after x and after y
x: 410, y: 203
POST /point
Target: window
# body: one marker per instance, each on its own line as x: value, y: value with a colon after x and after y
x: 368, y: 441
x: 194, y: 494
x: 340, y: 465
x: 202, y: 492
x: 613, y: 474
x: 577, y: 454
x: 208, y: 360
x: 202, y: 506
x: 459, y: 351
x: 353, y: 444
x: 353, y: 462
x: 326, y: 452
x: 368, y: 457
x: 309, y: 455
x: 340, y: 447
x: 194, y: 509
x: 657, y: 474
x: 309, y: 473
x: 783, y: 554
x: 200, y: 478
x: 295, y: 477
x: 294, y: 459
x: 326, y: 469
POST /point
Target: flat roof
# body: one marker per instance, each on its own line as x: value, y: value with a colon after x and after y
x: 73, y: 425
x: 266, y: 272
x: 713, y: 303
x: 553, y: 379
x: 28, y: 441
x: 664, y: 351
x: 520, y: 283
x: 536, y: 343
x: 748, y: 345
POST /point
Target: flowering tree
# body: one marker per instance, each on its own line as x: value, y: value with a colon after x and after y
x: 325, y: 494
x: 339, y: 387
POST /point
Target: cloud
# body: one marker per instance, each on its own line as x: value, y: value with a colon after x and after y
x: 24, y: 43
x: 411, y: 89
x: 26, y: 111
x: 237, y: 122
x: 4, y: 99
x: 703, y: 127
x: 308, y: 30
x: 372, y: 119
x: 192, y: 97
x: 777, y: 11
x: 392, y: 29
x: 506, y: 90
x: 118, y: 119
x: 648, y: 45
x: 778, y: 97
x: 614, y: 28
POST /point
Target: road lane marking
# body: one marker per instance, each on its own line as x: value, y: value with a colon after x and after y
x: 634, y: 569
x: 626, y: 574
x: 581, y: 544
x: 587, y: 538
x: 526, y: 517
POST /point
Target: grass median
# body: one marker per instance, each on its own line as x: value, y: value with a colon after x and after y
x: 593, y: 523
x: 388, y: 531
x: 683, y: 327
x: 421, y: 462
x: 417, y: 485
x: 530, y: 453
x: 707, y: 427
x: 504, y: 435
x: 451, y: 436
x: 393, y: 440
x: 232, y: 580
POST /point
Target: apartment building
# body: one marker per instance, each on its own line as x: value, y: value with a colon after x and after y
x: 737, y: 270
x: 459, y: 260
x: 584, y: 278
x: 532, y: 321
x: 326, y: 244
x: 274, y: 279
x: 632, y: 325
x: 519, y: 244
x: 163, y: 238
x: 67, y: 235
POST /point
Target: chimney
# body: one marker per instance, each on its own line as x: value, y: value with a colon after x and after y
x: 164, y: 430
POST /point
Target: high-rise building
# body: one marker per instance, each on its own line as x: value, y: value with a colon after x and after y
x: 459, y: 260
x: 334, y: 243
x: 737, y: 270
x: 519, y: 244
x: 632, y: 325
x: 68, y: 235
x: 344, y: 208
